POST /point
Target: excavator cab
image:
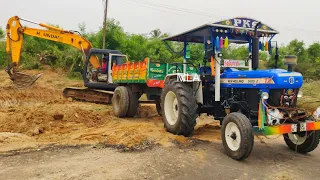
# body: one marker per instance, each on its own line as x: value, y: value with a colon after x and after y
x: 101, y: 77
x: 104, y: 72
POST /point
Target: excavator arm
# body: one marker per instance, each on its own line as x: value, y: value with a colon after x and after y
x: 15, y: 33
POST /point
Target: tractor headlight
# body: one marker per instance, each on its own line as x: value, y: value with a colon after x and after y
x: 265, y: 95
x: 300, y: 94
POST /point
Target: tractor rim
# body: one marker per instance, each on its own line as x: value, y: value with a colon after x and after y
x: 297, y: 139
x: 171, y: 107
x: 233, y: 136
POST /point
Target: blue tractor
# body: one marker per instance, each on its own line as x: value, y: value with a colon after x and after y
x: 247, y: 101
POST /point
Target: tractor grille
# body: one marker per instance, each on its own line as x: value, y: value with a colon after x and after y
x: 283, y: 97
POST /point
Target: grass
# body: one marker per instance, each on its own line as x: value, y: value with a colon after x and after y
x: 311, y: 95
x: 74, y: 76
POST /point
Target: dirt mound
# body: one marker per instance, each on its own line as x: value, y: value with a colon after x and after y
x: 11, y: 97
x: 146, y: 111
x: 42, y: 116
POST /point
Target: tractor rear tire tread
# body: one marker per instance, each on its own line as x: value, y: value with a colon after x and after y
x: 188, y: 108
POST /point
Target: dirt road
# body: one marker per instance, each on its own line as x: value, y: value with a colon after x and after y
x: 203, y: 160
x: 88, y: 142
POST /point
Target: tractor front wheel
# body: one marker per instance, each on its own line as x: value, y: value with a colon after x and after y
x: 178, y: 108
x: 236, y: 135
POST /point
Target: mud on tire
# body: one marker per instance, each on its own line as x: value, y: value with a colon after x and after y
x: 178, y: 108
x: 120, y: 101
x: 133, y: 102
x: 236, y: 135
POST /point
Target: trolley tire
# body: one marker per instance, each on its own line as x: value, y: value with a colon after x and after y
x: 120, y: 101
x: 185, y: 120
x: 133, y: 102
x: 240, y: 126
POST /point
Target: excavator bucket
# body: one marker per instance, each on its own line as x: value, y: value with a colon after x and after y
x: 22, y: 80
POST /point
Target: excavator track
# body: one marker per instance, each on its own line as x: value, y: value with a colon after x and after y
x: 88, y: 95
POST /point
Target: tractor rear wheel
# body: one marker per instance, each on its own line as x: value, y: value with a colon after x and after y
x: 120, y: 101
x: 133, y: 102
x: 178, y: 108
x: 236, y: 135
x: 302, y: 142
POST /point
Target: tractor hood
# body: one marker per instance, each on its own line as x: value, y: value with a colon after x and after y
x: 263, y: 79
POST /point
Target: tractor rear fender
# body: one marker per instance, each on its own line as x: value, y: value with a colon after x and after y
x: 197, y: 86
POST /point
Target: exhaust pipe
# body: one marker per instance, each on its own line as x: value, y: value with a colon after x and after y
x: 255, y: 48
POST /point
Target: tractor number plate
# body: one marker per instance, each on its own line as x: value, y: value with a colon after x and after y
x: 294, y: 128
x: 303, y: 127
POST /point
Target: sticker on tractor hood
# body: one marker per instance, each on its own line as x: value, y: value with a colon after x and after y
x: 247, y: 81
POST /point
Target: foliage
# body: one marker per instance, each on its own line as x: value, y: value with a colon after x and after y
x: 2, y: 33
x: 156, y: 33
x: 314, y: 52
x: 3, y: 54
x: 37, y: 52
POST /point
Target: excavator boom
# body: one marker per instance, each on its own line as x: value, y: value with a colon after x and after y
x: 15, y: 33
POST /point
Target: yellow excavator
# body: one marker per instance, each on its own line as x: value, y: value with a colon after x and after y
x: 94, y: 81
x: 15, y: 33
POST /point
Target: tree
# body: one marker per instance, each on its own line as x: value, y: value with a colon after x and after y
x: 82, y: 28
x: 156, y: 33
x: 158, y: 51
x: 2, y: 34
x: 314, y: 52
x: 164, y: 35
x: 282, y: 51
x: 297, y: 48
x: 115, y: 38
x: 136, y: 47
x: 139, y: 46
x: 237, y: 53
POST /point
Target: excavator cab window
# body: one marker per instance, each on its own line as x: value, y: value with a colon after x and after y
x: 118, y: 59
x: 104, y: 65
x: 107, y: 60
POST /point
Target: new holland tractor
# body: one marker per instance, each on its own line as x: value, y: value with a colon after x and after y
x: 246, y: 101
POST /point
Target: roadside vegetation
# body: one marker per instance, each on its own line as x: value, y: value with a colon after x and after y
x: 38, y: 52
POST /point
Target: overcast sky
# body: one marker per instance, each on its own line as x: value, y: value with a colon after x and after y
x: 293, y: 18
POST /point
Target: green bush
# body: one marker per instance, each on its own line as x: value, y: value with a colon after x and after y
x: 3, y: 55
x: 75, y: 75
